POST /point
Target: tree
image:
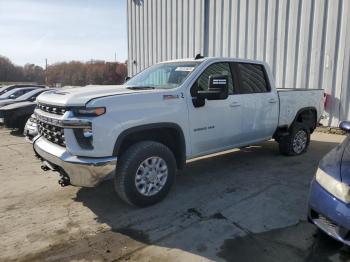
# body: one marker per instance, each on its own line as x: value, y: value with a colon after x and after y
x: 79, y: 74
x: 74, y: 73
x: 12, y: 73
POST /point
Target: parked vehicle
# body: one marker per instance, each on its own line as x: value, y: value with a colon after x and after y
x: 31, y: 128
x: 169, y: 113
x: 5, y: 89
x: 329, y: 199
x: 16, y: 92
x: 30, y: 96
x: 16, y: 115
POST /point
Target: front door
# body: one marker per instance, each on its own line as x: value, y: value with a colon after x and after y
x: 217, y: 124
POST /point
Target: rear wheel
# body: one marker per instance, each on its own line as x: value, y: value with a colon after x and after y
x: 145, y: 173
x: 297, y: 142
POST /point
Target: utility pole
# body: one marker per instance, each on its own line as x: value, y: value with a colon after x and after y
x: 45, y: 71
x: 115, y: 57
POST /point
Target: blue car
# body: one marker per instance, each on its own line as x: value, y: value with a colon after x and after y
x: 329, y: 199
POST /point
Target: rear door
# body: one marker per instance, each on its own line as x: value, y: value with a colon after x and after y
x: 259, y: 104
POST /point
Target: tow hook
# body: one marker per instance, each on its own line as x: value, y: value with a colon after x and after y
x: 64, y: 181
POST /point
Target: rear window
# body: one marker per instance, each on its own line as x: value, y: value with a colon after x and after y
x: 253, y: 78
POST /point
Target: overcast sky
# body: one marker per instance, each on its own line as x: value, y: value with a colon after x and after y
x: 62, y: 30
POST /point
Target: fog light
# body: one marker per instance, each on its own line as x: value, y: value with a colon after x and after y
x: 87, y: 132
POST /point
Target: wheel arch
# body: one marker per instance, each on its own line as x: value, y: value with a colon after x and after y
x: 307, y: 116
x: 169, y: 134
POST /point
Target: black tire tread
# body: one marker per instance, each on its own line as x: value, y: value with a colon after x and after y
x: 125, y: 163
x: 286, y: 143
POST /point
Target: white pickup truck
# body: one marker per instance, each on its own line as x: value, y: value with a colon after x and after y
x: 145, y: 130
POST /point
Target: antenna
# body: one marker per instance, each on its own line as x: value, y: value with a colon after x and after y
x: 198, y: 56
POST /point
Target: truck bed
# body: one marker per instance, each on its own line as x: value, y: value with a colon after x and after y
x: 292, y: 100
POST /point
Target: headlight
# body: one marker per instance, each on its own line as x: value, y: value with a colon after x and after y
x: 32, y: 121
x: 92, y: 111
x: 33, y: 118
x: 333, y: 186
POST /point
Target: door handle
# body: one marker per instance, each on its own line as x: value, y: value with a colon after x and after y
x: 272, y: 101
x: 235, y: 104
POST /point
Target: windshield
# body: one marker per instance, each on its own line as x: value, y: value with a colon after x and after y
x: 3, y: 90
x: 29, y: 94
x: 163, y: 76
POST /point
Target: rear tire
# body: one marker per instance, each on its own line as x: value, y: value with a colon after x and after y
x: 145, y: 173
x: 297, y: 142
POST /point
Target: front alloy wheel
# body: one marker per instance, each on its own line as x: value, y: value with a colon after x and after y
x: 151, y: 176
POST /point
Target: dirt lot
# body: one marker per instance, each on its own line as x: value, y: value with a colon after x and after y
x: 247, y: 205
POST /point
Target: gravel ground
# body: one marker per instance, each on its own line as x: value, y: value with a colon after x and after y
x: 244, y: 205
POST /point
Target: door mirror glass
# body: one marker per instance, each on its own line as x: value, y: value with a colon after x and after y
x: 345, y: 125
x: 217, y: 88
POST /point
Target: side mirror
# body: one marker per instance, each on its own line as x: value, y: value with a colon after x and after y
x: 345, y: 125
x: 218, y: 88
x: 12, y: 97
x: 127, y: 78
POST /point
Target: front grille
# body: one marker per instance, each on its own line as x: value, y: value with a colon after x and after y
x: 58, y: 110
x: 52, y: 133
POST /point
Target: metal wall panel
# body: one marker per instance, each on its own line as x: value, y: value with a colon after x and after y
x: 304, y: 41
x: 161, y: 30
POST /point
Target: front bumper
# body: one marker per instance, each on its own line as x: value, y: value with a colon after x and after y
x: 82, y: 171
x: 329, y: 213
x: 30, y: 131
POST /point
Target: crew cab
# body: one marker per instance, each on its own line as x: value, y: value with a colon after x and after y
x: 142, y: 132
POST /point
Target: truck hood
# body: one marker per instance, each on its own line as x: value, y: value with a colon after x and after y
x: 79, y: 96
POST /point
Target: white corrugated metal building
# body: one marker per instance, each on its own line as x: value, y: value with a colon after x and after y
x: 306, y: 42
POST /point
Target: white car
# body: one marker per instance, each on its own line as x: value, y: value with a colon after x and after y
x: 30, y: 129
x: 145, y: 130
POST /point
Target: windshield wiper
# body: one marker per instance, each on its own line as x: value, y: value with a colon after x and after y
x: 140, y: 87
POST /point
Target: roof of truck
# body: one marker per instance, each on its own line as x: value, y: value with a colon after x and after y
x: 215, y: 58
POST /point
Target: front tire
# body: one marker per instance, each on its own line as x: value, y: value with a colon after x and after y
x: 297, y: 142
x: 145, y: 173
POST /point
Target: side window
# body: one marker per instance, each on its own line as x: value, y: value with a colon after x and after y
x: 215, y: 69
x: 253, y: 79
x: 18, y: 93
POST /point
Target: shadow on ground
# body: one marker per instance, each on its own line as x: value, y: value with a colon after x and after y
x: 199, y: 215
x: 16, y: 132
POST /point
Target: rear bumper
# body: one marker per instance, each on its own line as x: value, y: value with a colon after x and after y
x: 329, y: 214
x: 82, y: 171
